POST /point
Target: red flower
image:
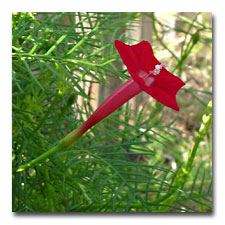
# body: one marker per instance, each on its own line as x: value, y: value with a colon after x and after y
x: 149, y: 73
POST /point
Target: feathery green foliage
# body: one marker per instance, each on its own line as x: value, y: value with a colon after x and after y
x: 136, y: 160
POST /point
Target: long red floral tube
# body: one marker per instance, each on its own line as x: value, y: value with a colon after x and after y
x: 121, y: 95
x: 147, y: 74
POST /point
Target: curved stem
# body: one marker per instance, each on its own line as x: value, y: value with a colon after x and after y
x: 185, y: 170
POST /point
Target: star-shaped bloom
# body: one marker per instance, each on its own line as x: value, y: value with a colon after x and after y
x: 151, y: 75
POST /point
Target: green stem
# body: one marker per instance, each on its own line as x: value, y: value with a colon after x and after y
x: 49, y: 189
x: 54, y: 102
x: 56, y: 59
x: 121, y: 95
x: 185, y: 171
x: 63, y: 144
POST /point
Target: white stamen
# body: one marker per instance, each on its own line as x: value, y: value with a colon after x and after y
x: 158, y: 67
x: 149, y: 81
x: 156, y: 72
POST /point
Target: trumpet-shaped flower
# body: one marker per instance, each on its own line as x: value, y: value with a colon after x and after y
x: 147, y: 74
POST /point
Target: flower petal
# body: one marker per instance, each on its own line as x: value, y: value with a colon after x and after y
x: 164, y: 88
x: 149, y: 73
x: 143, y: 51
x: 128, y: 57
x: 137, y: 57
